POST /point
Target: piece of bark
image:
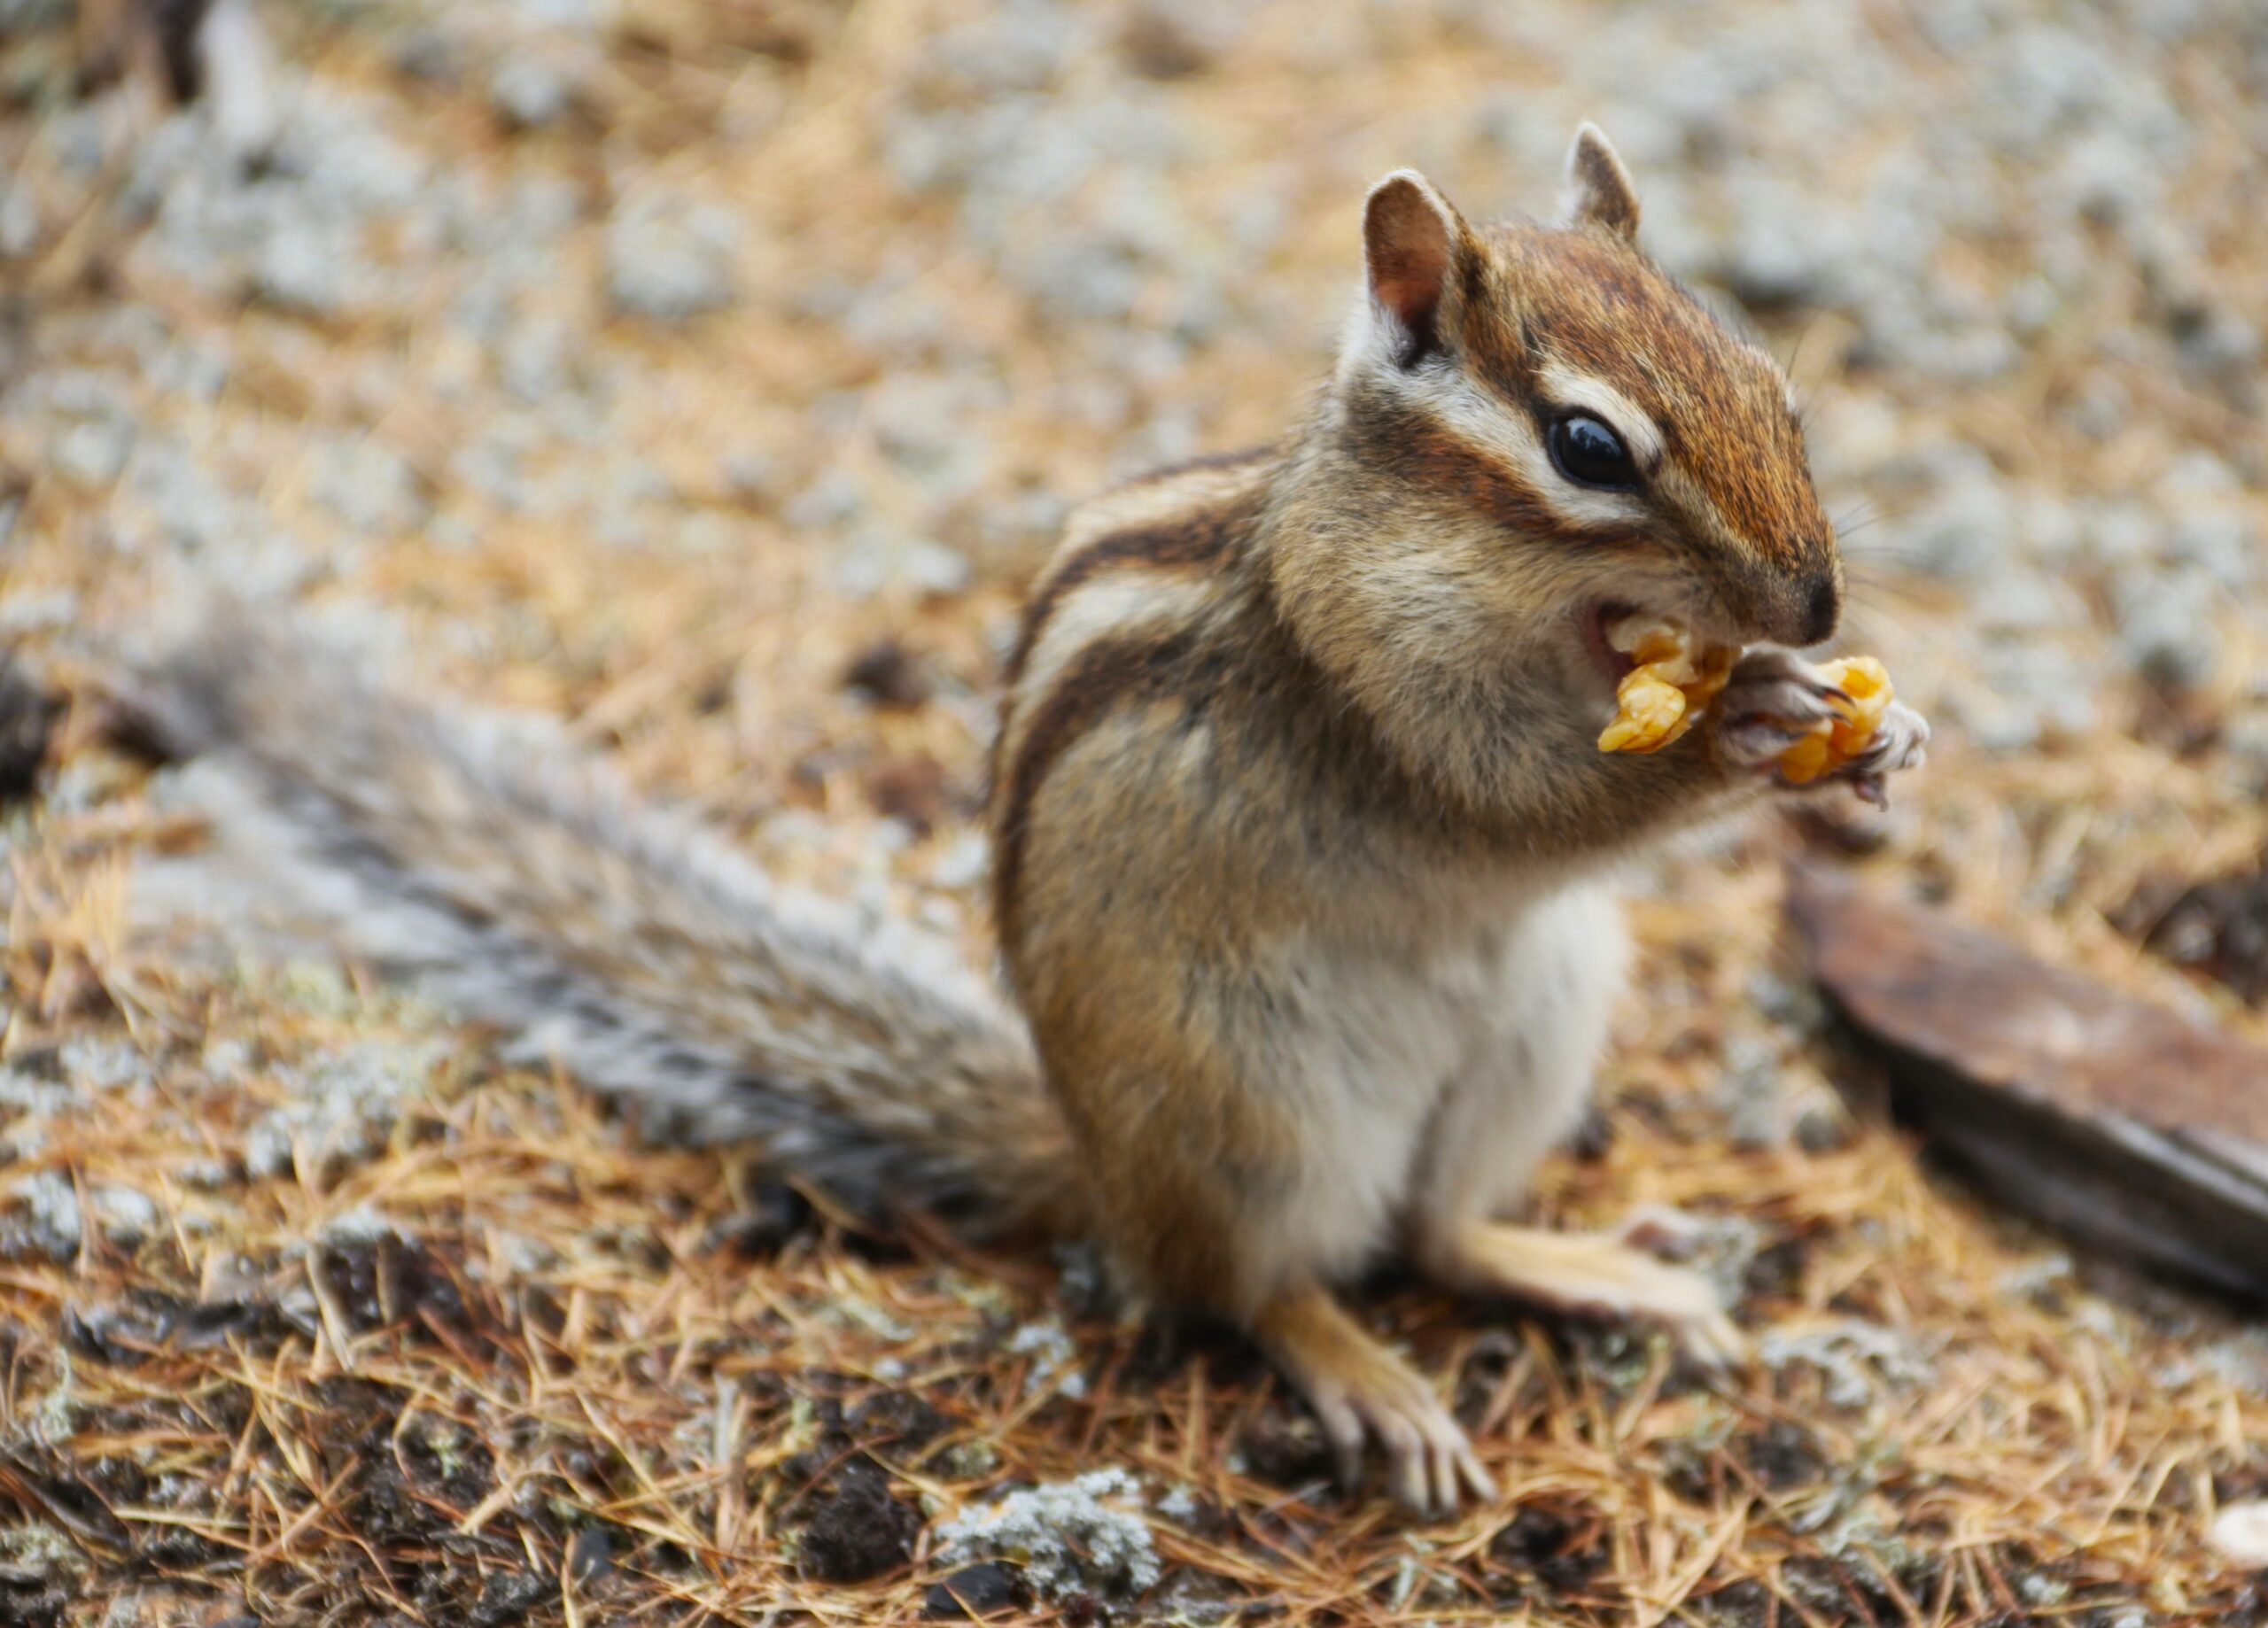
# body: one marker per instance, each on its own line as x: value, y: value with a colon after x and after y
x: 2130, y: 1127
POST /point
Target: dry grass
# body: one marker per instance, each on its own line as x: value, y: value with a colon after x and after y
x: 506, y: 1363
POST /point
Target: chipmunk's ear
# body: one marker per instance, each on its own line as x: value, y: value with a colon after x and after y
x: 1410, y: 244
x: 1599, y: 192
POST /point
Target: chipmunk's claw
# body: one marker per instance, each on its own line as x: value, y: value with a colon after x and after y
x: 1900, y: 742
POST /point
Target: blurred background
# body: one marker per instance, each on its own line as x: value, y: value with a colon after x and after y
x: 712, y: 375
x: 816, y: 305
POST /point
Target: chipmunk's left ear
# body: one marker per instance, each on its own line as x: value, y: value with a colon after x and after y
x: 1599, y: 192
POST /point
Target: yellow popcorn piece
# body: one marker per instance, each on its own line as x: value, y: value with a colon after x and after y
x: 1651, y: 713
x: 1836, y: 742
x: 1658, y: 700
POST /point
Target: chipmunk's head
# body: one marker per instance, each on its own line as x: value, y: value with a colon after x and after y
x: 1545, y: 428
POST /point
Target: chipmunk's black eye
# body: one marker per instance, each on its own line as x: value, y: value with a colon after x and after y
x: 1590, y: 454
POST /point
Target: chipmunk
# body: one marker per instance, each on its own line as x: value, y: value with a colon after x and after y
x: 1303, y: 850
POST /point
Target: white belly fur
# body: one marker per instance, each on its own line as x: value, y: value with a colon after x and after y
x: 1376, y: 1038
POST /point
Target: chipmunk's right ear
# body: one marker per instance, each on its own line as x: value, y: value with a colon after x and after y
x: 1410, y: 237
x: 1599, y: 189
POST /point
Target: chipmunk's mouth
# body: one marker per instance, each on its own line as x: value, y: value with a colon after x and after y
x: 1613, y: 665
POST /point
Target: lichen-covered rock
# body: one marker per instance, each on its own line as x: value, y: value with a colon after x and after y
x: 1090, y: 1535
x: 43, y: 1217
x: 340, y: 1109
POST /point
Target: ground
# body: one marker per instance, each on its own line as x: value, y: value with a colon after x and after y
x: 710, y: 375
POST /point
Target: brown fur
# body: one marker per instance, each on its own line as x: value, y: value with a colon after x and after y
x: 1590, y: 297
x: 1191, y: 540
x: 1106, y: 677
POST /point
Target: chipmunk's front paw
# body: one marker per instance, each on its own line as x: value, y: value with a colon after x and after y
x: 1900, y: 742
x: 1771, y: 701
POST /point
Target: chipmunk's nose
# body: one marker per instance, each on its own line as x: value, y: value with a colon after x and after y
x: 1823, y: 607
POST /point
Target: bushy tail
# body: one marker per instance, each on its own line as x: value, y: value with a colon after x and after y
x: 526, y: 888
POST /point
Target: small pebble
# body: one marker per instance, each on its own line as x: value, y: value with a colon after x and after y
x: 2239, y: 1532
x: 529, y: 93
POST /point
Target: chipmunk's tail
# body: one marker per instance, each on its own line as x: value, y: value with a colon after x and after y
x: 526, y: 888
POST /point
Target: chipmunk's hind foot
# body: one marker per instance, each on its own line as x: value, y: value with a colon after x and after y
x: 1361, y: 1391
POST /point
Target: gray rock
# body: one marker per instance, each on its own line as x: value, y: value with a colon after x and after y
x: 92, y: 452
x: 2108, y: 178
x: 1795, y: 1004
x: 2165, y: 625
x: 2052, y: 85
x: 291, y: 230
x: 78, y: 135
x: 1084, y: 1536
x: 531, y: 362
x: 2221, y: 542
x: 920, y: 420
x: 304, y: 267
x: 1975, y: 355
x: 341, y: 1108
x: 210, y: 1175
x: 1960, y: 532
x: 1084, y: 276
x: 2021, y: 598
x: 1858, y: 1361
x: 669, y: 263
x: 584, y: 17
x: 836, y: 498
x: 1019, y: 46
x: 126, y: 1215
x: 193, y: 370
x: 493, y: 468
x: 876, y: 559
x: 1756, y: 1108
x: 371, y: 488
x: 2119, y: 535
x: 95, y: 1063
x: 2101, y: 409
x: 529, y: 93
x: 186, y: 508
x: 2219, y: 343
x: 50, y: 1223
x: 431, y: 52
x: 753, y: 476
x: 1783, y: 249
x: 363, y: 1224
x: 2032, y: 306
x: 19, y: 223
x: 2024, y: 692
